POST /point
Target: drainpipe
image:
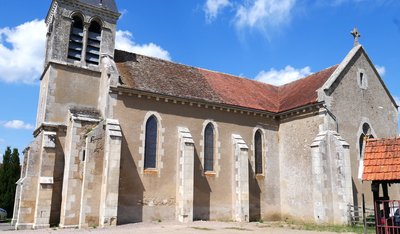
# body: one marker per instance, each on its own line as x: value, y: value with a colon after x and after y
x: 333, y: 117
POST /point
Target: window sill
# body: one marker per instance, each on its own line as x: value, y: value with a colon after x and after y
x: 210, y: 174
x: 260, y: 176
x: 150, y: 171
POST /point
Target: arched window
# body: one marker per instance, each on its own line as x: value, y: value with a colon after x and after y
x: 209, y: 148
x: 366, y: 132
x: 76, y: 39
x: 361, y: 144
x: 93, y: 43
x: 150, y: 153
x: 258, y: 152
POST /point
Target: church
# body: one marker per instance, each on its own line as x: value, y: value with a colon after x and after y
x: 123, y: 138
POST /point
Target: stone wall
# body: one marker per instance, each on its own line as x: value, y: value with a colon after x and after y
x: 146, y: 196
x: 295, y: 137
x: 92, y: 178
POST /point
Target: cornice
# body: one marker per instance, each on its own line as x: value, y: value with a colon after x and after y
x: 310, y: 108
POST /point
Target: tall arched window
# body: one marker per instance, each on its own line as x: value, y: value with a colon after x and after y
x: 258, y: 152
x: 209, y: 148
x: 93, y: 43
x: 76, y: 39
x: 150, y: 153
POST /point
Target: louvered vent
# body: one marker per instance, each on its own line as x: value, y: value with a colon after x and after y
x: 93, y: 44
x: 76, y: 39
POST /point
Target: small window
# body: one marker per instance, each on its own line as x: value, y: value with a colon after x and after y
x: 362, y: 79
x: 209, y: 148
x: 93, y: 44
x: 258, y: 152
x: 76, y: 39
x: 150, y: 154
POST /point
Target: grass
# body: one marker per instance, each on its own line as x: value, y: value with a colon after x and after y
x: 319, y: 228
x: 336, y: 228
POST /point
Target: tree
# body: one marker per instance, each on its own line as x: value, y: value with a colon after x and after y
x: 9, y: 174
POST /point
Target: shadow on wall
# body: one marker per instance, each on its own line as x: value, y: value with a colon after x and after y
x: 355, y: 193
x: 254, y: 196
x: 58, y: 181
x: 202, y: 192
x: 131, y: 189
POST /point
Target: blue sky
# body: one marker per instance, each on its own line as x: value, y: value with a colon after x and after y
x: 275, y: 41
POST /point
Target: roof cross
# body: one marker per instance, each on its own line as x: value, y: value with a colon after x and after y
x: 356, y: 35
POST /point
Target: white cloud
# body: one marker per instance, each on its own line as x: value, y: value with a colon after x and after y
x: 124, y: 41
x: 264, y: 14
x: 17, y: 124
x: 21, y: 52
x: 381, y: 70
x: 213, y: 7
x: 284, y: 76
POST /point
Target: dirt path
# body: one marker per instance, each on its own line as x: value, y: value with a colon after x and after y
x: 177, y: 228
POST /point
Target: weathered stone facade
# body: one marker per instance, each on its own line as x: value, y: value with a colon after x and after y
x: 87, y: 163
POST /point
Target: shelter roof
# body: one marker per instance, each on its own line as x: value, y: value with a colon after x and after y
x: 382, y: 159
x: 154, y: 75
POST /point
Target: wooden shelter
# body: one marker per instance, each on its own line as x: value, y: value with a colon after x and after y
x: 382, y: 168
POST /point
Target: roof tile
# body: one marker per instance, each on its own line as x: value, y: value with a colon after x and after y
x: 166, y: 78
x: 382, y: 160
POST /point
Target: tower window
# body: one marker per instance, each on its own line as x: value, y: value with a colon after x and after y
x: 93, y: 44
x: 76, y: 39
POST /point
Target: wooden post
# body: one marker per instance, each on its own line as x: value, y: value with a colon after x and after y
x: 386, y: 197
x: 364, y: 218
x: 375, y: 192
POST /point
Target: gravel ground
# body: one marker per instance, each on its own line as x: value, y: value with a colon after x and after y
x: 177, y: 228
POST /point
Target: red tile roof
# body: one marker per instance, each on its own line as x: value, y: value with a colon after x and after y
x: 158, y: 76
x: 382, y: 159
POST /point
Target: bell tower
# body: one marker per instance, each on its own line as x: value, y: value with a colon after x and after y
x: 81, y: 31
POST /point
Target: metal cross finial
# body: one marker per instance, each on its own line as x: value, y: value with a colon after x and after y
x: 356, y: 35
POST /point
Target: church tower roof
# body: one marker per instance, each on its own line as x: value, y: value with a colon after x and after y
x: 105, y: 4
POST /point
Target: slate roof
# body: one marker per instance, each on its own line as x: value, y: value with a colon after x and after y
x: 167, y: 78
x: 382, y: 159
x: 105, y: 4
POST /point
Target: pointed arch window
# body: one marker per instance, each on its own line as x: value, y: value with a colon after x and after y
x: 150, y: 153
x: 258, y: 152
x: 93, y: 43
x: 366, y: 132
x: 76, y: 39
x: 209, y: 148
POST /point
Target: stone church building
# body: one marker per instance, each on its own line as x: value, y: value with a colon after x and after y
x: 122, y: 138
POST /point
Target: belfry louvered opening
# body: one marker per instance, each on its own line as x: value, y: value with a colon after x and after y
x: 76, y: 39
x: 93, y: 44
